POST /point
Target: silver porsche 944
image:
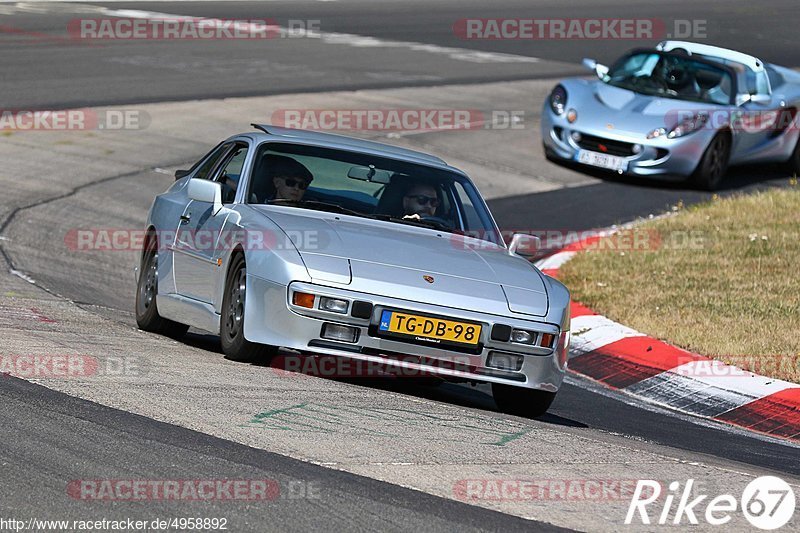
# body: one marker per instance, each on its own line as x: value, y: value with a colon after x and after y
x: 680, y: 109
x: 324, y: 244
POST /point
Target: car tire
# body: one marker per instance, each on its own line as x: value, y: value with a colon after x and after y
x: 794, y: 161
x: 231, y: 331
x: 714, y: 163
x: 519, y: 401
x: 147, y: 317
x: 549, y: 154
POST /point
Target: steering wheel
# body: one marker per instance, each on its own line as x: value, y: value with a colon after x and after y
x: 677, y: 78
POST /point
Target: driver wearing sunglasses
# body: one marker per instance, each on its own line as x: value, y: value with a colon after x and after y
x: 421, y: 200
x: 289, y: 177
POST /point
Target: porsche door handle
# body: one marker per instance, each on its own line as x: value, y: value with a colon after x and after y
x: 186, y: 218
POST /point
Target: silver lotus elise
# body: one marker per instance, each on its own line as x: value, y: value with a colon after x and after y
x: 680, y: 109
x: 328, y: 245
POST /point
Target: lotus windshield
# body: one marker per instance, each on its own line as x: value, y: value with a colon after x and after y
x: 672, y: 76
x: 352, y: 183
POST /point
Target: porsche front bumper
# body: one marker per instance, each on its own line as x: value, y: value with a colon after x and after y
x: 271, y: 318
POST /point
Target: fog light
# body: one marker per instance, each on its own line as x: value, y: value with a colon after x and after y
x: 334, y: 305
x: 576, y: 136
x: 520, y: 336
x: 337, y: 332
x: 572, y: 116
x: 504, y: 361
x: 637, y: 148
x: 303, y: 299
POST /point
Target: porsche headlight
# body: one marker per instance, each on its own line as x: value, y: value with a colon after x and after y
x: 688, y: 125
x: 558, y: 100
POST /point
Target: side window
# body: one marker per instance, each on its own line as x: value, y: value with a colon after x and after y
x: 231, y: 171
x: 775, y: 78
x: 762, y: 83
x: 471, y: 218
x: 211, y: 161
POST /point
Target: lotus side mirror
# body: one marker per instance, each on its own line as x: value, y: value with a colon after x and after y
x: 599, y: 69
x: 761, y: 99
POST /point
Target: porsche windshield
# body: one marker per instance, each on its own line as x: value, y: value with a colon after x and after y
x: 672, y: 76
x: 369, y: 186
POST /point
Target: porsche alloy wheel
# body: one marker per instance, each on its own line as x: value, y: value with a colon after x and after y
x: 235, y: 346
x: 147, y: 317
x: 519, y: 401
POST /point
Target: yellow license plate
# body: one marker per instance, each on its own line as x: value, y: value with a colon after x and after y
x: 427, y: 328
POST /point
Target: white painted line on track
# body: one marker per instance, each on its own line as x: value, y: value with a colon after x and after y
x: 346, y: 39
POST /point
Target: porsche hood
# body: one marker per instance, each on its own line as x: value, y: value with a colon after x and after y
x: 406, y: 262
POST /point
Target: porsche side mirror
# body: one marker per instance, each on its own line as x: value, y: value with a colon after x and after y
x: 206, y: 191
x: 524, y: 244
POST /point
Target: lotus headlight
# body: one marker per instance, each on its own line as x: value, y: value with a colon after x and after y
x: 688, y: 125
x: 657, y: 133
x: 558, y: 100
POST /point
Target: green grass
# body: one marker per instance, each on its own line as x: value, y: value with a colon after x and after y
x: 721, y: 279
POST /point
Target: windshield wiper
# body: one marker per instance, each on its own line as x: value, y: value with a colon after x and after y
x: 427, y: 223
x: 336, y: 208
x: 319, y: 206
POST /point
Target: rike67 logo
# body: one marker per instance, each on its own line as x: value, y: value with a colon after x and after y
x: 767, y: 502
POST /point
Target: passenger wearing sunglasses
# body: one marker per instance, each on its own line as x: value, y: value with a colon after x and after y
x: 289, y: 177
x: 421, y: 200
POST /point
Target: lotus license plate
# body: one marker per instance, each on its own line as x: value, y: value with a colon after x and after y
x: 596, y: 159
x: 429, y: 329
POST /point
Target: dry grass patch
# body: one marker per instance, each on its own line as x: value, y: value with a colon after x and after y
x: 723, y: 281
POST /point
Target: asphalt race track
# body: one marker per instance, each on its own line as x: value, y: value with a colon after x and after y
x: 383, y: 455
x: 122, y: 72
x: 117, y: 436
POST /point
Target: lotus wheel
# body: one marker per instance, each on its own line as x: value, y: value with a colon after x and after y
x: 714, y: 164
x: 794, y: 161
